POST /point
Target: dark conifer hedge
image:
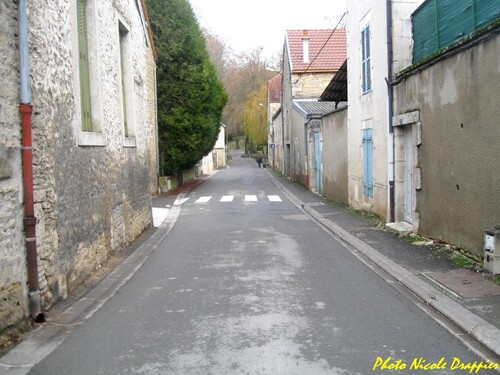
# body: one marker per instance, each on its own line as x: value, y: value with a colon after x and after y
x: 190, y: 96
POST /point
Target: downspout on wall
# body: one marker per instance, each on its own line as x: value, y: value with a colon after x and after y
x: 390, y: 103
x: 25, y: 109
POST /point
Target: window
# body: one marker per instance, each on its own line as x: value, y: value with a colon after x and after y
x: 366, y: 77
x: 86, y: 73
x: 368, y: 162
x: 126, y: 85
x: 83, y: 53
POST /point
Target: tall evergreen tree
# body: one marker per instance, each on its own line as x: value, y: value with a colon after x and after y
x: 190, y: 96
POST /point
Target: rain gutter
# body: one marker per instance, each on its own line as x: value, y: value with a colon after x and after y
x: 26, y: 109
x: 390, y: 111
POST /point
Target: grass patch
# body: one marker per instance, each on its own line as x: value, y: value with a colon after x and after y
x: 461, y: 260
x: 373, y: 219
x: 412, y: 238
x: 496, y: 280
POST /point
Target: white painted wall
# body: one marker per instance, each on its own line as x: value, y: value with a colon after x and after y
x: 370, y: 110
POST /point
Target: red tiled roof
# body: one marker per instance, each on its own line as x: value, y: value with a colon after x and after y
x: 327, y: 49
x: 274, y: 89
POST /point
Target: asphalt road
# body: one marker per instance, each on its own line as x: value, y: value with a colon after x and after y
x: 246, y: 283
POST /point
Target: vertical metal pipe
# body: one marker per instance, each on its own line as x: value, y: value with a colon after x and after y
x: 390, y: 110
x: 23, y: 52
x: 25, y: 109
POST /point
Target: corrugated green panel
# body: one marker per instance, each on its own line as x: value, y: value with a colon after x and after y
x: 486, y: 11
x: 439, y: 23
x: 455, y: 20
x: 425, y: 40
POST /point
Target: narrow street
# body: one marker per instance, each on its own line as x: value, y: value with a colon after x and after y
x: 246, y: 283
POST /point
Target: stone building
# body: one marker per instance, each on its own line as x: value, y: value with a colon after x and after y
x: 373, y: 60
x: 310, y: 60
x: 275, y: 145
x: 90, y: 83
x: 219, y: 152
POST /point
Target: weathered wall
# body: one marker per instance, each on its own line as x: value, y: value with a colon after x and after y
x: 298, y: 148
x: 310, y: 85
x: 277, y: 153
x: 90, y: 200
x: 459, y: 152
x: 369, y: 110
x: 286, y: 112
x: 219, y: 151
x: 151, y: 90
x: 13, y: 290
x: 334, y: 156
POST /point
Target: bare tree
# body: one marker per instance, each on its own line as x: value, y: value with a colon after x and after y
x: 219, y: 52
x: 241, y: 74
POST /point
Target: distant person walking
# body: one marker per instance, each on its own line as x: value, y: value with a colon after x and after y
x: 259, y: 162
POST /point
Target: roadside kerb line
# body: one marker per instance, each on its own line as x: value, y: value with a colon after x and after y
x: 20, y: 359
x: 483, y: 331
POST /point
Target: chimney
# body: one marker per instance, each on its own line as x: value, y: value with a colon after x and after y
x: 305, y: 46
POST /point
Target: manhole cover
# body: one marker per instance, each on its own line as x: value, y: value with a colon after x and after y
x: 466, y: 283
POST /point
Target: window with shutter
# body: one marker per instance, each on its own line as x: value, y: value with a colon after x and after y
x: 123, y: 36
x: 126, y: 84
x: 368, y: 162
x: 366, y: 79
x: 84, y: 66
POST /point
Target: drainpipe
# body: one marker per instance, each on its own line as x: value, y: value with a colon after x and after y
x: 390, y: 103
x: 25, y: 109
x: 158, y: 187
x: 306, y: 141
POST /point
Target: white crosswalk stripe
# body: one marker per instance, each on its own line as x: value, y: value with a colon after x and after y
x: 232, y: 198
x: 204, y: 199
x: 274, y: 198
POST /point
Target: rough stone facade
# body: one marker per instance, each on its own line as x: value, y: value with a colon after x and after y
x: 310, y: 85
x: 91, y: 197
x: 152, y: 110
x: 13, y: 290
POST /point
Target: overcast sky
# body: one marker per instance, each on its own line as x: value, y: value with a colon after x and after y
x: 249, y: 24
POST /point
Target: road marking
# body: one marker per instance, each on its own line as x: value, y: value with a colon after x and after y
x: 204, y: 199
x: 231, y: 198
x: 274, y: 198
x: 180, y: 201
x: 159, y: 215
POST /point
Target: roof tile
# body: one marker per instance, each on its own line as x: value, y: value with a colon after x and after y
x: 327, y: 49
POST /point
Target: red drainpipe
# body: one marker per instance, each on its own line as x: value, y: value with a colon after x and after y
x: 29, y: 213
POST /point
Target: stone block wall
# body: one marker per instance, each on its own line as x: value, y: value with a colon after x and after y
x: 90, y: 199
x: 153, y: 150
x: 310, y: 85
x: 13, y: 290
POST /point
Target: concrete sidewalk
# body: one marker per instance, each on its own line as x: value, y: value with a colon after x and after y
x: 465, y: 296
